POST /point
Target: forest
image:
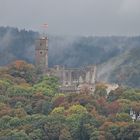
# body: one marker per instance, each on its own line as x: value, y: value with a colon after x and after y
x: 31, y: 108
x: 117, y: 57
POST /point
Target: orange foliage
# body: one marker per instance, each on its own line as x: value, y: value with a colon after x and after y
x: 106, y: 125
x: 136, y: 106
x: 27, y: 128
x: 122, y: 124
x: 5, y: 111
x: 19, y: 63
x: 20, y: 113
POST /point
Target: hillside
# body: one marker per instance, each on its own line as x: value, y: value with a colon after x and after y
x: 123, y: 69
x: 31, y: 108
x: 117, y: 58
x: 16, y: 44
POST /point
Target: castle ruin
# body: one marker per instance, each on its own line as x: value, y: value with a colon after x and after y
x: 71, y: 79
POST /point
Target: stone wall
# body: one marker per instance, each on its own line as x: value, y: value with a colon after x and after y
x: 41, y: 55
x: 72, y: 79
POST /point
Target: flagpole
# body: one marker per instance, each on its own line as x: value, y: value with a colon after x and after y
x: 44, y: 30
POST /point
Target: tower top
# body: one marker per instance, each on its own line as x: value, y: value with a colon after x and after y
x: 42, y: 43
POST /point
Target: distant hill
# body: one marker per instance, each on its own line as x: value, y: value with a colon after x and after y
x: 117, y: 58
x: 123, y: 69
x: 16, y: 44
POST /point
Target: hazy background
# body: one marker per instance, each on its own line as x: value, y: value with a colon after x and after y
x: 81, y: 33
x: 73, y: 17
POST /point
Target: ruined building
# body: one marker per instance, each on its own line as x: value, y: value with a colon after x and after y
x: 71, y: 79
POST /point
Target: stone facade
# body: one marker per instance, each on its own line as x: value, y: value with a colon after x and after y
x: 71, y: 79
x: 41, y: 55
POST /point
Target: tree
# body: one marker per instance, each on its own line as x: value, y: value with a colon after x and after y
x: 17, y: 90
x: 24, y: 70
x: 76, y: 109
x: 36, y: 135
x: 14, y: 122
x: 65, y: 134
x: 131, y: 94
x: 47, y: 86
x: 115, y: 94
x: 21, y: 135
x: 58, y: 99
x: 125, y: 105
x: 100, y: 90
x: 130, y: 132
x: 4, y: 85
x: 123, y: 117
x: 95, y: 135
x: 53, y: 126
x: 5, y: 110
x: 58, y: 111
x: 113, y: 107
x: 19, y: 112
x: 136, y: 107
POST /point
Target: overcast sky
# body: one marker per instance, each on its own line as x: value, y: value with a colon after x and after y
x: 73, y: 17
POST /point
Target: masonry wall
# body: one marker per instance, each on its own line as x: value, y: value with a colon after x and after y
x: 41, y: 55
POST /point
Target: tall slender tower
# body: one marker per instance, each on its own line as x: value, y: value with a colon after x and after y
x: 41, y: 55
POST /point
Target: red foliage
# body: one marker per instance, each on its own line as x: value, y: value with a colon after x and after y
x: 113, y: 107
x: 108, y: 108
x: 58, y: 101
x: 102, y: 102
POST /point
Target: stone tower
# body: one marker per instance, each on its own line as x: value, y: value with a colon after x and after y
x: 41, y: 55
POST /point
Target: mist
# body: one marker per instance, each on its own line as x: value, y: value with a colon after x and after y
x: 110, y: 53
x: 74, y: 17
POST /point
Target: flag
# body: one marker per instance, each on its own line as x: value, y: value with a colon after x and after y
x: 45, y: 25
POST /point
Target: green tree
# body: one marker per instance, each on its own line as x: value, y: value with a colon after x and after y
x: 47, y: 86
x: 24, y: 70
x: 131, y: 94
x: 36, y: 135
x: 17, y: 90
x: 65, y: 134
x: 21, y: 135
x: 130, y: 132
x: 58, y: 111
x: 4, y: 85
x: 100, y: 90
x: 123, y: 117
x: 95, y: 135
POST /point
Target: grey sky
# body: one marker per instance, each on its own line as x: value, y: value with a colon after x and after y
x: 74, y: 17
